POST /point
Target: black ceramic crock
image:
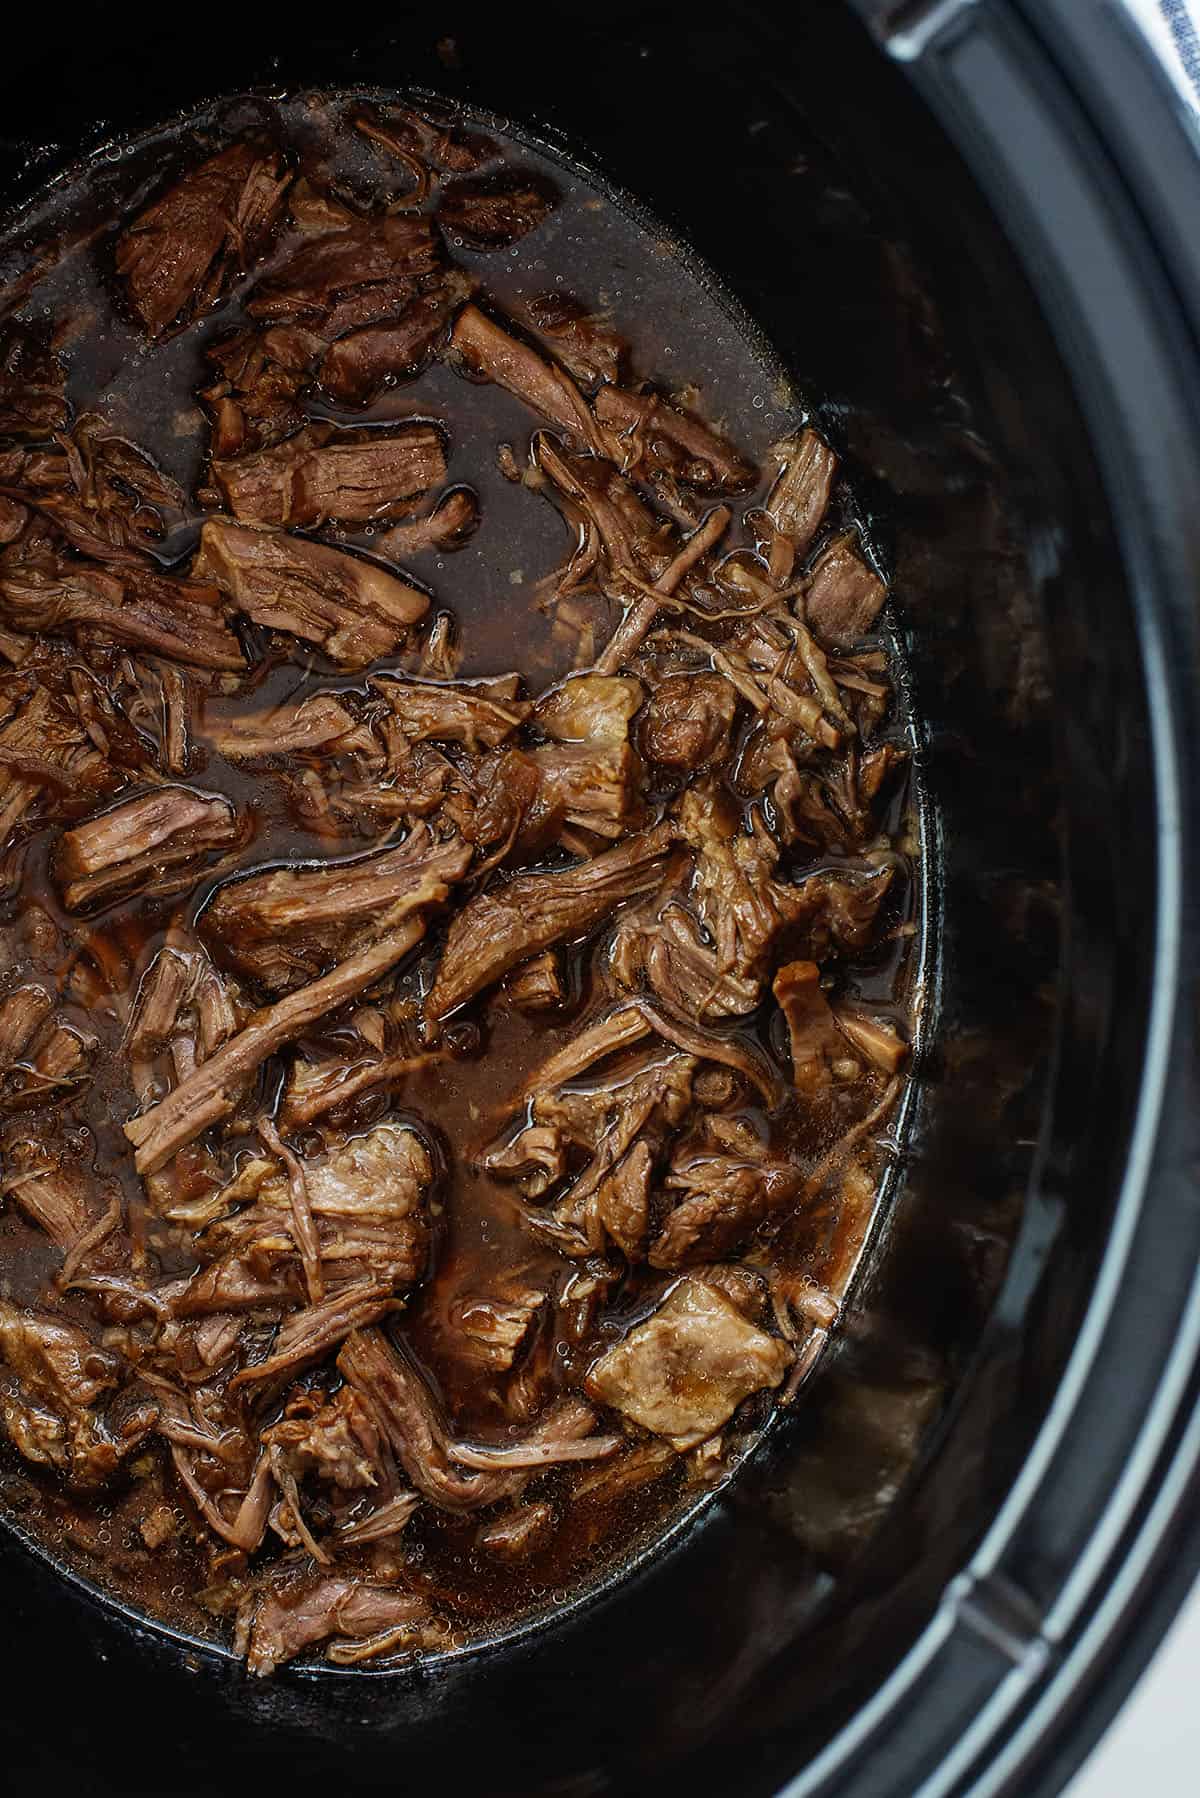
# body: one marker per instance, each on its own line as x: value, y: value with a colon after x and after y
x: 969, y: 228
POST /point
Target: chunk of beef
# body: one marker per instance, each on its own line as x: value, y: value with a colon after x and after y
x: 212, y: 1091
x: 183, y: 1012
x: 178, y: 256
x: 366, y: 1204
x: 384, y: 303
x: 683, y: 1373
x: 589, y: 789
x: 54, y: 1359
x: 47, y: 762
x: 287, y: 926
x: 51, y: 1191
x: 490, y: 212
x: 532, y: 912
x: 663, y: 947
x: 436, y: 141
x: 388, y: 255
x: 162, y: 1000
x: 875, y: 770
x: 797, y: 503
x: 492, y: 1330
x: 231, y: 1284
x: 136, y: 844
x: 279, y: 1622
x: 480, y: 715
x: 136, y: 606
x: 318, y: 475
x: 317, y: 1087
x: 316, y: 211
x: 36, y: 1432
x: 588, y: 349
x: 62, y: 1375
x: 448, y: 526
x: 843, y: 596
x: 56, y: 1061
x: 620, y: 1129
x: 537, y: 984
x: 105, y: 494
x: 352, y: 608
x: 724, y: 1199
x: 485, y: 349
x: 357, y: 365
x: 876, y: 1038
x: 335, y: 1442
x: 687, y: 722
x: 589, y: 708
x: 22, y: 1015
x: 255, y: 399
x: 319, y: 722
x: 737, y: 898
x: 820, y: 1053
x: 516, y: 1534
x: 650, y: 436
x: 498, y: 799
x: 33, y: 401
x: 181, y: 992
x: 840, y: 907
x: 622, y: 1202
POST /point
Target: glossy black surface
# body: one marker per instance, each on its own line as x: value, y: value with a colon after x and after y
x: 803, y: 165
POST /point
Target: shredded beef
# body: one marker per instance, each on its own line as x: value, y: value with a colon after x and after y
x: 318, y: 475
x: 355, y: 610
x: 378, y: 260
x: 32, y: 381
x: 177, y: 256
x: 285, y: 927
x: 684, y: 1371
x: 456, y: 985
x: 491, y: 212
x: 533, y: 912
